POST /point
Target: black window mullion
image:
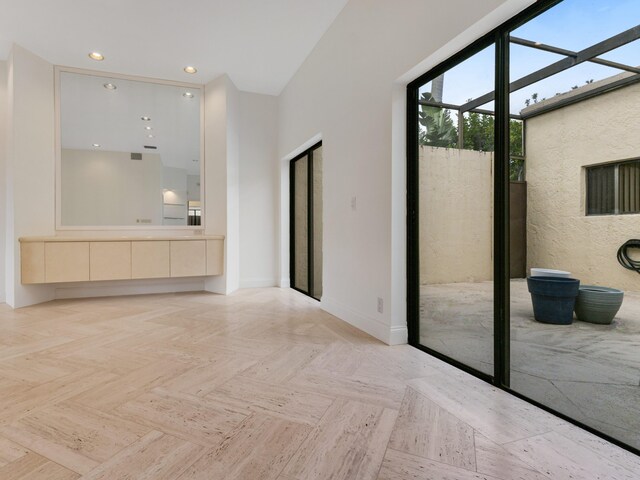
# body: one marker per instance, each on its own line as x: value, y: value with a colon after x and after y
x: 310, y: 229
x: 292, y: 223
x: 501, y: 284
x: 413, y: 234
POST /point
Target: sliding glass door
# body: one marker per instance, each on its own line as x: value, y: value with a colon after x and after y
x: 455, y: 214
x: 306, y: 222
x: 523, y: 160
x: 577, y: 90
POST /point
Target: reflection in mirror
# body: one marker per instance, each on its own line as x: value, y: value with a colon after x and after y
x: 130, y: 152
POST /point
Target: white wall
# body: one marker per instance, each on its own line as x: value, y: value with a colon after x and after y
x: 350, y: 92
x: 30, y: 167
x: 3, y: 150
x: 108, y: 188
x: 174, y: 196
x: 258, y: 190
x: 193, y: 188
x: 222, y: 212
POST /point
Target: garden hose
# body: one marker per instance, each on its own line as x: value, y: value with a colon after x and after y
x: 623, y: 255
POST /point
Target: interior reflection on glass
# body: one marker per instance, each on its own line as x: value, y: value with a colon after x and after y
x: 130, y: 152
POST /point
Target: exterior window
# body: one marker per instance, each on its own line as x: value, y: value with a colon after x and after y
x: 613, y: 189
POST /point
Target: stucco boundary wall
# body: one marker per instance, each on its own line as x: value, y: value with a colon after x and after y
x: 559, y: 144
x: 455, y: 215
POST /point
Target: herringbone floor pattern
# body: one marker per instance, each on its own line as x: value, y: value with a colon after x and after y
x: 257, y: 385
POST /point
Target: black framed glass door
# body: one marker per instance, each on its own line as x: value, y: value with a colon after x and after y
x: 520, y: 165
x: 305, y: 174
x: 455, y: 213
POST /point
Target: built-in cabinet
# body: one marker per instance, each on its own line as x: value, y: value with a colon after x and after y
x: 56, y: 259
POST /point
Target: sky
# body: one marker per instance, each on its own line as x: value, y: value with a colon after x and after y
x: 572, y: 25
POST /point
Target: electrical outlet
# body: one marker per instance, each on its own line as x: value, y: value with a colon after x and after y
x: 380, y: 305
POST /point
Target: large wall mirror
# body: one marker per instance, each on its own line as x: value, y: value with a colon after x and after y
x: 130, y: 152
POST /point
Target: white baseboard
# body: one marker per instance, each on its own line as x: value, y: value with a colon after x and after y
x: 374, y: 327
x: 258, y: 282
x: 285, y: 283
x: 399, y: 335
x: 129, y: 287
x: 27, y: 295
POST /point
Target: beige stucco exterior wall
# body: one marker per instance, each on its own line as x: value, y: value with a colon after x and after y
x: 558, y: 145
x: 456, y: 215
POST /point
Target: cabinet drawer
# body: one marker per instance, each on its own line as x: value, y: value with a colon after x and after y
x: 32, y: 262
x: 188, y: 258
x: 110, y: 260
x: 150, y: 259
x: 66, y: 262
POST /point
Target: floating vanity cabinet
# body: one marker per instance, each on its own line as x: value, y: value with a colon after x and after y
x: 76, y: 259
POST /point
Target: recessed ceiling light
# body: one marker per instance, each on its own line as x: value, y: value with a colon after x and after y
x: 110, y: 86
x: 187, y: 94
x: 96, y: 56
x: 149, y: 136
x: 148, y: 128
x: 96, y: 145
x: 146, y: 119
x: 190, y: 69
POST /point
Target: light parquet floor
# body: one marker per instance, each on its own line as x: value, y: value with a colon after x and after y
x: 258, y: 385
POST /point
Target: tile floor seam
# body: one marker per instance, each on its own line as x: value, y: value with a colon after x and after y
x: 525, y: 438
x: 552, y: 382
x: 445, y: 464
x: 43, y: 456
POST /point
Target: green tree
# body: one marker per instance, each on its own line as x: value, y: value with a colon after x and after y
x: 479, y: 136
x: 478, y: 132
x: 439, y: 130
x: 516, y: 158
x: 437, y: 127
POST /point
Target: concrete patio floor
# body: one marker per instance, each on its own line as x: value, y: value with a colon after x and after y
x: 589, y: 372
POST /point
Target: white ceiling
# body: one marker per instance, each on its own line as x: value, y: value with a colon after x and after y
x: 90, y: 113
x: 259, y: 43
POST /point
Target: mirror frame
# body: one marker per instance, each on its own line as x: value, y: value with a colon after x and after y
x: 58, y: 70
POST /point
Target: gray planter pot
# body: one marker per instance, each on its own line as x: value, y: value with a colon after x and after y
x: 598, y: 304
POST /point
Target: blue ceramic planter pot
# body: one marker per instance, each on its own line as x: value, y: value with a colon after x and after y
x: 553, y: 299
